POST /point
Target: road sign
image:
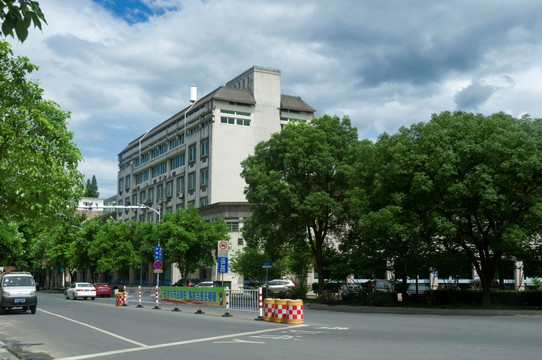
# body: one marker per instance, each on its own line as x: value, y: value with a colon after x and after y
x: 223, y: 249
x: 158, y: 254
x: 222, y: 265
x: 158, y: 271
x: 158, y: 264
x: 267, y: 264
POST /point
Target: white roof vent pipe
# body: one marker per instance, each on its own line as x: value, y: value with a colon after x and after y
x: 193, y: 93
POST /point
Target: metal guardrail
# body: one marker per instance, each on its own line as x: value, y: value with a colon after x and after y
x: 239, y: 300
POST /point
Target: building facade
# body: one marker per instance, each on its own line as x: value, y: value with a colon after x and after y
x: 194, y: 157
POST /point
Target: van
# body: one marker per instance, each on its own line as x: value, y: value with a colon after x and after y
x: 18, y: 290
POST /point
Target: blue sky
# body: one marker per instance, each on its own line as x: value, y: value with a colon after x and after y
x: 123, y: 67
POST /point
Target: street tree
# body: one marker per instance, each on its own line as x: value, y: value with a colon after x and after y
x: 296, y: 184
x: 18, y: 15
x: 190, y: 241
x: 38, y: 158
x: 114, y: 247
x: 248, y: 262
x: 480, y: 181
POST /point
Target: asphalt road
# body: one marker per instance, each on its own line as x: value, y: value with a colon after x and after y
x: 85, y: 329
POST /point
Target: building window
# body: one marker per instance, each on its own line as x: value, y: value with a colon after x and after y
x: 169, y: 189
x: 134, y: 199
x: 162, y: 149
x: 192, y: 153
x: 232, y: 226
x: 180, y: 185
x: 159, y: 192
x: 159, y: 169
x: 127, y: 182
x: 121, y: 185
x: 149, y: 216
x: 151, y: 195
x: 178, y: 161
x: 142, y: 197
x: 174, y: 143
x: 240, y: 241
x: 143, y: 159
x: 191, y: 181
x: 204, y: 177
x: 144, y: 176
x: 203, y: 202
x: 230, y: 120
x: 127, y: 201
x: 204, y: 147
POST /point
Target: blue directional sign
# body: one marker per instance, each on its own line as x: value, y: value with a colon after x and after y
x: 222, y: 265
x: 158, y: 254
x: 267, y: 264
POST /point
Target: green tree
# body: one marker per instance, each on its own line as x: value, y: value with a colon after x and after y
x: 91, y: 188
x: 38, y: 158
x: 114, y: 247
x: 11, y: 242
x: 189, y: 240
x: 480, y: 181
x: 296, y: 183
x: 18, y: 15
x: 248, y: 262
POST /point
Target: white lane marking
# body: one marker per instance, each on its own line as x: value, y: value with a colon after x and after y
x: 236, y: 341
x: 177, y: 343
x: 95, y: 328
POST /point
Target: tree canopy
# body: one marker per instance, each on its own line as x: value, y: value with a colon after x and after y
x: 38, y: 158
x: 296, y: 183
x: 18, y: 15
x: 91, y: 188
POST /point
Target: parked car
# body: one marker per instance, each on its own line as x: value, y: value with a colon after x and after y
x: 103, y: 289
x: 350, y: 291
x: 279, y: 286
x: 18, y: 290
x: 384, y: 285
x: 83, y: 290
x: 205, y: 284
x: 422, y: 288
x: 449, y: 287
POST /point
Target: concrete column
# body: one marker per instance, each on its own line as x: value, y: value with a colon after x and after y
x: 519, y: 276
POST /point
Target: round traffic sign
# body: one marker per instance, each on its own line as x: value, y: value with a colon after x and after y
x: 158, y: 264
x: 223, y: 245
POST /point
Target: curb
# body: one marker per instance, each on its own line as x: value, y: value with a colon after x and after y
x: 5, y: 354
x: 422, y: 311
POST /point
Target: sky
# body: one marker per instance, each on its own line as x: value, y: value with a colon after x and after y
x: 122, y: 67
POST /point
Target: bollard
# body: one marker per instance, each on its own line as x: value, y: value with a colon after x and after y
x: 260, y: 316
x: 156, y: 297
x: 125, y: 297
x: 269, y: 309
x: 139, y: 296
x: 295, y: 311
x: 227, y: 314
x: 281, y: 311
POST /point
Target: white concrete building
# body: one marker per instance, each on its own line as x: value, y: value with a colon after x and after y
x: 193, y: 158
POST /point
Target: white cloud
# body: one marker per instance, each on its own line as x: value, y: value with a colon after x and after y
x: 386, y: 65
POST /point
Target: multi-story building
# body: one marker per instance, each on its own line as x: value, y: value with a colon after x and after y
x: 194, y: 157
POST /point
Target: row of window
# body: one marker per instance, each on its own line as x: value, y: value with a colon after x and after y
x: 149, y: 194
x: 236, y: 121
x: 162, y: 168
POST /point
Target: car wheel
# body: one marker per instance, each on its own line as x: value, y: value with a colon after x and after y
x: 93, y: 298
x: 85, y: 298
x: 2, y: 310
x: 32, y: 309
x: 73, y: 296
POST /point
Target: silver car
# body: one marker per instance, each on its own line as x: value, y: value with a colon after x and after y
x: 83, y: 290
x: 279, y: 286
x: 18, y: 290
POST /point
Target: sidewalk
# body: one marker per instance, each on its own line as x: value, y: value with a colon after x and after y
x: 5, y: 354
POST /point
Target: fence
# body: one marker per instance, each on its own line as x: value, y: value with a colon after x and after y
x: 238, y: 300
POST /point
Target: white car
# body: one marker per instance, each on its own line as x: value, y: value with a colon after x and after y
x: 83, y: 290
x: 278, y: 286
x: 206, y: 284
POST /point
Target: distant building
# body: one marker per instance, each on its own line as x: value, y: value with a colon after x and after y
x: 91, y: 207
x: 194, y: 157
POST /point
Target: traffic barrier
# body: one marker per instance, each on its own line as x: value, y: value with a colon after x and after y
x: 227, y: 314
x: 139, y: 297
x: 269, y: 309
x: 125, y: 297
x: 281, y: 311
x: 157, y: 298
x: 260, y: 306
x: 120, y: 298
x: 295, y: 311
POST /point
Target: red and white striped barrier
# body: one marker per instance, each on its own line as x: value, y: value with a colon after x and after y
x: 125, y: 300
x: 157, y: 298
x: 139, y: 297
x: 227, y: 314
x: 295, y: 311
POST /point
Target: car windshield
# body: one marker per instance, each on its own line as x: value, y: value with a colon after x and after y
x: 84, y: 285
x: 18, y: 281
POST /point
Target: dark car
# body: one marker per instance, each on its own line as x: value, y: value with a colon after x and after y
x: 351, y: 291
x: 103, y: 289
